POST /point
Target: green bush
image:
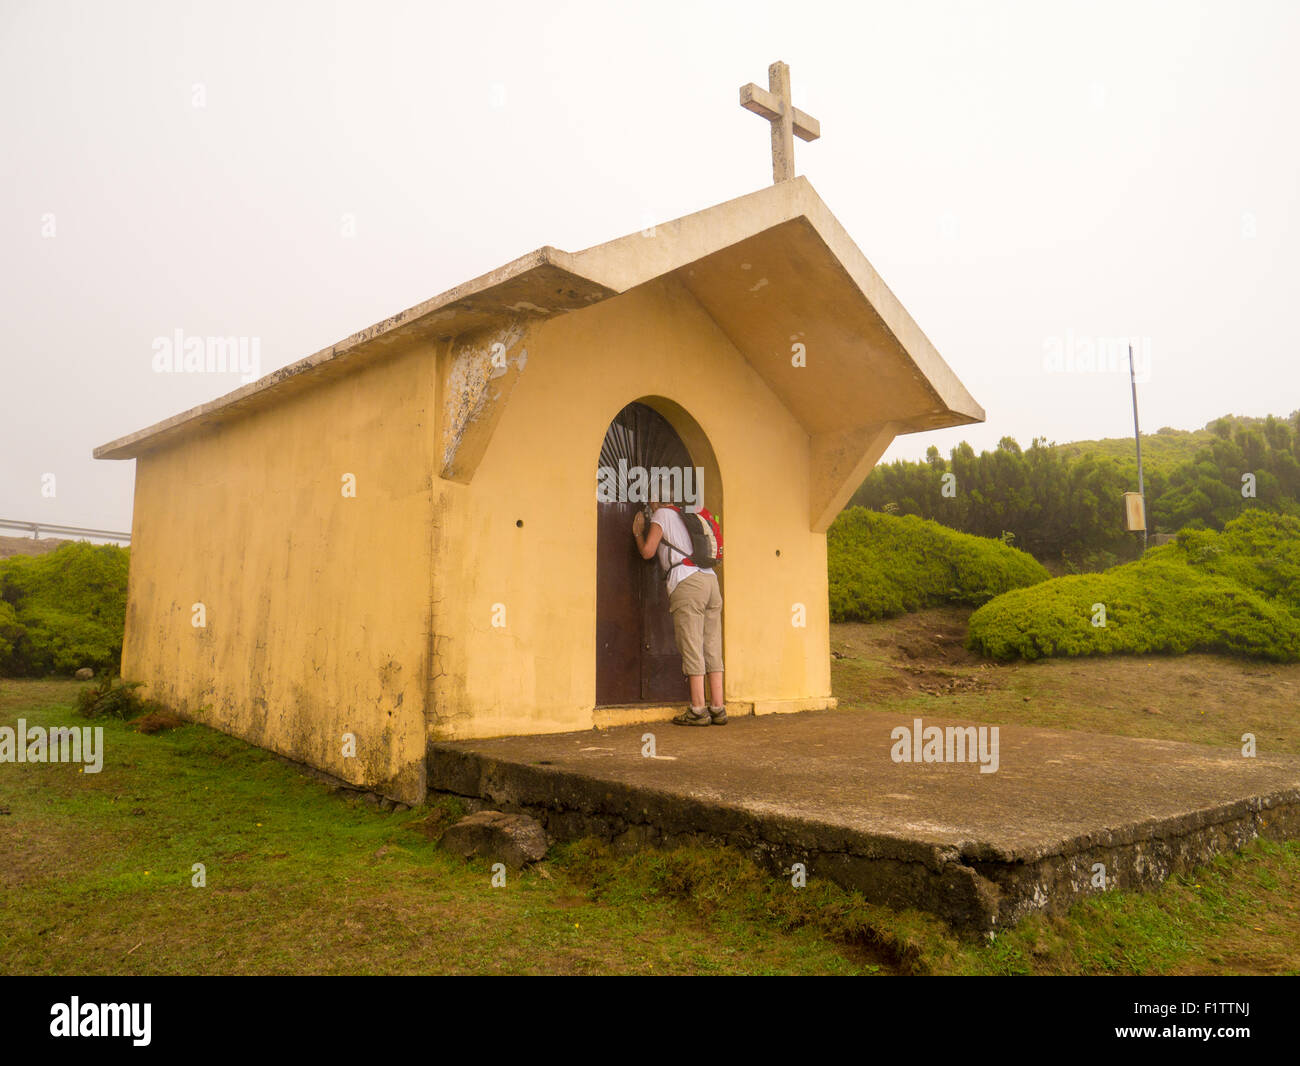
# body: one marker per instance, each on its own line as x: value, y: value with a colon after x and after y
x: 110, y: 699
x: 63, y: 610
x: 880, y: 565
x: 1235, y: 592
x: 1259, y: 551
x: 11, y: 632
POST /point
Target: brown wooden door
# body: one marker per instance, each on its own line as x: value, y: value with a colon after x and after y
x: 636, y: 656
x: 620, y: 572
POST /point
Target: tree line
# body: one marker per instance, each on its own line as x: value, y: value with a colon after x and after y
x: 1064, y: 503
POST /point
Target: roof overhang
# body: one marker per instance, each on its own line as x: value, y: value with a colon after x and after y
x: 774, y: 269
x: 536, y: 285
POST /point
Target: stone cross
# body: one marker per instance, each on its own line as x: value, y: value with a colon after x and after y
x: 787, y: 120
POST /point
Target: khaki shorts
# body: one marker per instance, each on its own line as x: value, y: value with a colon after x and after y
x: 696, y: 606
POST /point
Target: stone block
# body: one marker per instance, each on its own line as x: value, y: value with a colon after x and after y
x: 514, y: 839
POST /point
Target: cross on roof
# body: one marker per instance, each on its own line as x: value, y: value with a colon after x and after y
x: 787, y: 120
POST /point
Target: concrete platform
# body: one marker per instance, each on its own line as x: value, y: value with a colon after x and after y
x: 979, y: 849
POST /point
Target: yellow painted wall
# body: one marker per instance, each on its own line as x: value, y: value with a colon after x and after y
x: 374, y: 615
x: 537, y: 672
x: 317, y: 605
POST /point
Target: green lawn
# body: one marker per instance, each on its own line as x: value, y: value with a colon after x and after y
x: 96, y: 871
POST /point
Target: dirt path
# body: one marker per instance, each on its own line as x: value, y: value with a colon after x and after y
x: 919, y: 661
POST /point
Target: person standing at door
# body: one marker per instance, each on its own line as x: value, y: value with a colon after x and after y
x: 695, y: 602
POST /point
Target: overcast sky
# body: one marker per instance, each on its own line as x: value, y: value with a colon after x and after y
x: 1026, y: 177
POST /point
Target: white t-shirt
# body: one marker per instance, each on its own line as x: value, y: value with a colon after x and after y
x: 669, y: 558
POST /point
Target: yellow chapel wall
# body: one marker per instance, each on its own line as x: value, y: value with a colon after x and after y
x: 514, y: 618
x: 316, y: 604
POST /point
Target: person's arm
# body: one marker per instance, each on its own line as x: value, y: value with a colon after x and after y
x: 647, y: 543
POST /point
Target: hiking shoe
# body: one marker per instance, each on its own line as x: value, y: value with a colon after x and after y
x: 692, y: 717
x: 718, y: 715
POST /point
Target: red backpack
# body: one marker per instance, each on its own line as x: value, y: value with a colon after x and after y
x: 706, y: 539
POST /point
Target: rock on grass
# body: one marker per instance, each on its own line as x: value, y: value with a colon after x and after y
x: 514, y: 839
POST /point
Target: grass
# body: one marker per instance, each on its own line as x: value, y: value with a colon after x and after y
x: 96, y: 877
x: 1236, y: 916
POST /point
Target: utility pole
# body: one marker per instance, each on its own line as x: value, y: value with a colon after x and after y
x: 1137, y: 436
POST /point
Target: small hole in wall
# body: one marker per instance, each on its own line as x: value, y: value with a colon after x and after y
x: 519, y: 523
x: 778, y: 553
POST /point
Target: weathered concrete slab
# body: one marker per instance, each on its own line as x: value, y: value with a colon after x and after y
x: 980, y: 849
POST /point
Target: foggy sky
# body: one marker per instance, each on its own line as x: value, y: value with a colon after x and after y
x: 1026, y: 177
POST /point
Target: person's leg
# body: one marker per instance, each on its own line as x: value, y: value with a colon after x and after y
x: 687, y: 602
x: 713, y: 653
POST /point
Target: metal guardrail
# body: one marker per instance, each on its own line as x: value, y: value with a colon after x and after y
x: 37, y: 528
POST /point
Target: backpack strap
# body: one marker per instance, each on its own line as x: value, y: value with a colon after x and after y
x: 665, y: 540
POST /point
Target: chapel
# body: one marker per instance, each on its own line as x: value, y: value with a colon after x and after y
x: 402, y: 538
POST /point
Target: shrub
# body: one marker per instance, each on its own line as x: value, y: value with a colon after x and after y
x: 63, y: 610
x: 159, y: 722
x: 110, y: 699
x: 11, y: 633
x: 1233, y: 592
x: 1259, y: 550
x: 880, y: 565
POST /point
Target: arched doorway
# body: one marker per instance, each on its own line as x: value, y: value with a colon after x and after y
x: 636, y: 657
